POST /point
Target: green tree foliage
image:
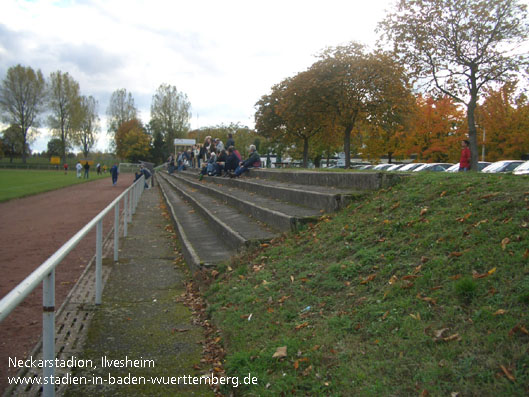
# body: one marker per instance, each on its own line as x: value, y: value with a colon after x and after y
x: 359, y: 87
x: 459, y: 47
x: 132, y: 142
x: 54, y: 147
x: 22, y: 94
x: 170, y: 113
x: 64, y: 101
x: 12, y: 143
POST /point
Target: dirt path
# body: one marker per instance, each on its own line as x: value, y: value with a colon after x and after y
x: 32, y: 229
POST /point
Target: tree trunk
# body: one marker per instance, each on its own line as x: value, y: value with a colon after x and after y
x: 471, y: 109
x: 347, y: 146
x: 305, y: 152
x: 389, y: 157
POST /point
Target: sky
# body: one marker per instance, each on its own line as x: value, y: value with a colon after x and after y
x: 223, y: 54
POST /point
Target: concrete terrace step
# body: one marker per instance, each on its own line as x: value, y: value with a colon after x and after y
x: 201, y: 245
x: 326, y: 198
x: 277, y: 214
x: 348, y: 179
x: 236, y: 228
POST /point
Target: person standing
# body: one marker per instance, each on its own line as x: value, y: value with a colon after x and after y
x: 65, y: 166
x: 78, y: 167
x: 464, y: 161
x: 98, y: 168
x: 114, y: 171
x: 230, y: 141
x: 86, y: 169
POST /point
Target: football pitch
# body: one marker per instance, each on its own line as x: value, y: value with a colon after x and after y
x: 22, y: 183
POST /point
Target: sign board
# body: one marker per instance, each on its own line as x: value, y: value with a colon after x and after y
x: 185, y: 142
x: 56, y: 160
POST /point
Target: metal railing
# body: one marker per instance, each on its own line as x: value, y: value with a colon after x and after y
x: 45, y: 273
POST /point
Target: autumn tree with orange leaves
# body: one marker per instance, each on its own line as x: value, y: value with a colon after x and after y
x: 504, y: 116
x: 435, y: 128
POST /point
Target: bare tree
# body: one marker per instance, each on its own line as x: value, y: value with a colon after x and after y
x: 120, y: 109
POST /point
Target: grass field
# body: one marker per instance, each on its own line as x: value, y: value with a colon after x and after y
x: 417, y: 290
x: 21, y: 183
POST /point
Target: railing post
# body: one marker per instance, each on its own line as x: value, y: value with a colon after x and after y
x: 48, y: 332
x: 99, y: 261
x: 125, y: 214
x: 116, y: 231
x: 131, y: 198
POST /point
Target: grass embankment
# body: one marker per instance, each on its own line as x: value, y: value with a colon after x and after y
x: 22, y: 183
x: 422, y: 289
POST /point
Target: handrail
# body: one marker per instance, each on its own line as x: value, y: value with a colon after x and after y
x: 45, y: 273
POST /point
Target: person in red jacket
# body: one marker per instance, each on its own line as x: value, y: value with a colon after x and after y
x: 464, y: 162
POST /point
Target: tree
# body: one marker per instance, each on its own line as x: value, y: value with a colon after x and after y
x: 22, y: 95
x: 120, y: 109
x: 65, y: 107
x: 170, y: 111
x: 132, y: 142
x: 89, y: 124
x: 504, y: 117
x: 54, y: 147
x: 356, y: 86
x: 459, y: 47
x: 434, y: 130
x: 12, y: 143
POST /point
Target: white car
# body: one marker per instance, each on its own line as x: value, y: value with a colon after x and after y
x: 410, y: 167
x: 396, y: 167
x: 502, y: 166
x: 382, y: 167
x: 522, y: 169
x: 433, y: 167
x: 481, y: 165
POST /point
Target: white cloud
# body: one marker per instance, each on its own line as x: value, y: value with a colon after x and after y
x: 223, y: 54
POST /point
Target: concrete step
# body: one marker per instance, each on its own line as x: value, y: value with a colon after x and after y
x: 355, y: 180
x: 277, y: 214
x: 236, y: 228
x: 201, y: 245
x: 326, y: 198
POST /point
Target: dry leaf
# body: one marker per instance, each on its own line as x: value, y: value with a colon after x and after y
x: 303, y: 325
x: 507, y: 374
x: 280, y: 352
x: 443, y: 193
x: 456, y: 277
x: 504, y: 243
x: 455, y: 253
x: 491, y: 271
x: 292, y: 279
x: 424, y: 211
x: 426, y: 299
x: 499, y: 312
x: 386, y: 314
x: 393, y: 280
x: 369, y: 278
x: 416, y: 316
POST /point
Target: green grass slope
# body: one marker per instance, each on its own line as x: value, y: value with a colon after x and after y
x: 22, y: 183
x: 421, y: 289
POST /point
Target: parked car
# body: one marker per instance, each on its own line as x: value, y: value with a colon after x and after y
x: 410, y: 167
x: 381, y: 167
x: 502, y: 166
x: 522, y: 169
x: 396, y: 167
x: 438, y: 167
x: 481, y: 165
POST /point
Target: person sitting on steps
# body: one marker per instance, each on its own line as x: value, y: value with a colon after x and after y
x: 253, y: 161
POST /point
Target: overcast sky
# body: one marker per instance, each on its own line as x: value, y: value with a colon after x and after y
x: 224, y: 54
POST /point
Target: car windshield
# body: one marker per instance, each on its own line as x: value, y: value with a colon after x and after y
x: 512, y: 166
x: 523, y: 167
